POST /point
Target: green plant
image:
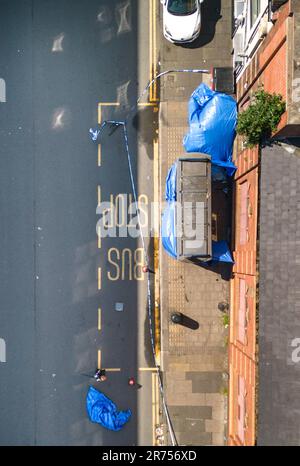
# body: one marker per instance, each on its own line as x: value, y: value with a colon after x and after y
x: 224, y: 391
x: 261, y: 118
x: 225, y: 319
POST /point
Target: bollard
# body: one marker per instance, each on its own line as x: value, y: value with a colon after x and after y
x: 177, y: 318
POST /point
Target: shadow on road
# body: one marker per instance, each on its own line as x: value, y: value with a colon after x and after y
x: 145, y: 122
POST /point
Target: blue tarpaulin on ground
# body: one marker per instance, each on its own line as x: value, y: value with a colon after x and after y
x: 212, y: 120
x: 103, y: 411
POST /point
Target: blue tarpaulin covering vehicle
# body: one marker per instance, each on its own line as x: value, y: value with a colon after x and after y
x: 212, y: 121
x: 169, y: 215
x: 103, y: 411
x: 168, y: 228
x: 220, y: 249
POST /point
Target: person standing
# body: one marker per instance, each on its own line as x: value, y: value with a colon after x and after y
x: 100, y: 375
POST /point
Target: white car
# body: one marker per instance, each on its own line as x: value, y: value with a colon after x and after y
x: 181, y: 20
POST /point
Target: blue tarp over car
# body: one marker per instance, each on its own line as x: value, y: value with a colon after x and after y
x: 212, y: 120
x: 169, y: 215
x: 103, y: 411
x: 168, y: 229
x: 220, y: 249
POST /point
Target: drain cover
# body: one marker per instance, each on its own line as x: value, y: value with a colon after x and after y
x: 119, y: 307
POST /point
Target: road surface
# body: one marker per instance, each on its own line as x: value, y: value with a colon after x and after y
x: 59, y: 283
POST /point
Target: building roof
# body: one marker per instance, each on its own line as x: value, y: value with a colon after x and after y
x: 279, y: 297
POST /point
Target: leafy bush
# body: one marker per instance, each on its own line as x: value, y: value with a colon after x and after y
x: 261, y: 118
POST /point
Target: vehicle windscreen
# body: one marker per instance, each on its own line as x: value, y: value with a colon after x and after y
x: 182, y: 7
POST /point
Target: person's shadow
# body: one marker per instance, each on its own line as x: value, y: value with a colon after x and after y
x: 210, y: 15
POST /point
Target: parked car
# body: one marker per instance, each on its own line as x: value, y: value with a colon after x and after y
x: 181, y: 20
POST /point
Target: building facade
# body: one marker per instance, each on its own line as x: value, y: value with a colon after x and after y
x: 266, y: 46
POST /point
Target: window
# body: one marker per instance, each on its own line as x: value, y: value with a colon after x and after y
x: 182, y: 7
x: 254, y: 11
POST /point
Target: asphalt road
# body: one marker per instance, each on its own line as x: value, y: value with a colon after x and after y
x: 59, y: 59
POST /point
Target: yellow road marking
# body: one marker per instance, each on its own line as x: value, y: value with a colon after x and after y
x: 153, y: 410
x: 147, y: 368
x: 99, y: 278
x: 99, y: 114
x: 150, y: 48
x: 154, y: 50
x: 113, y: 369
x: 99, y: 202
x: 99, y: 155
x: 157, y: 399
x: 156, y: 197
x: 147, y: 104
x: 99, y: 238
x: 105, y: 104
x: 100, y: 105
x: 156, y: 186
x: 99, y: 195
x: 109, y: 104
x: 155, y: 406
x: 99, y: 359
x: 99, y: 318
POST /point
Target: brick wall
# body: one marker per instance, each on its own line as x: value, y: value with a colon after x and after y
x: 268, y: 67
x: 242, y: 341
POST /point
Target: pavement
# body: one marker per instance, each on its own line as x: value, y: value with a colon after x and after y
x: 59, y: 286
x: 194, y: 362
